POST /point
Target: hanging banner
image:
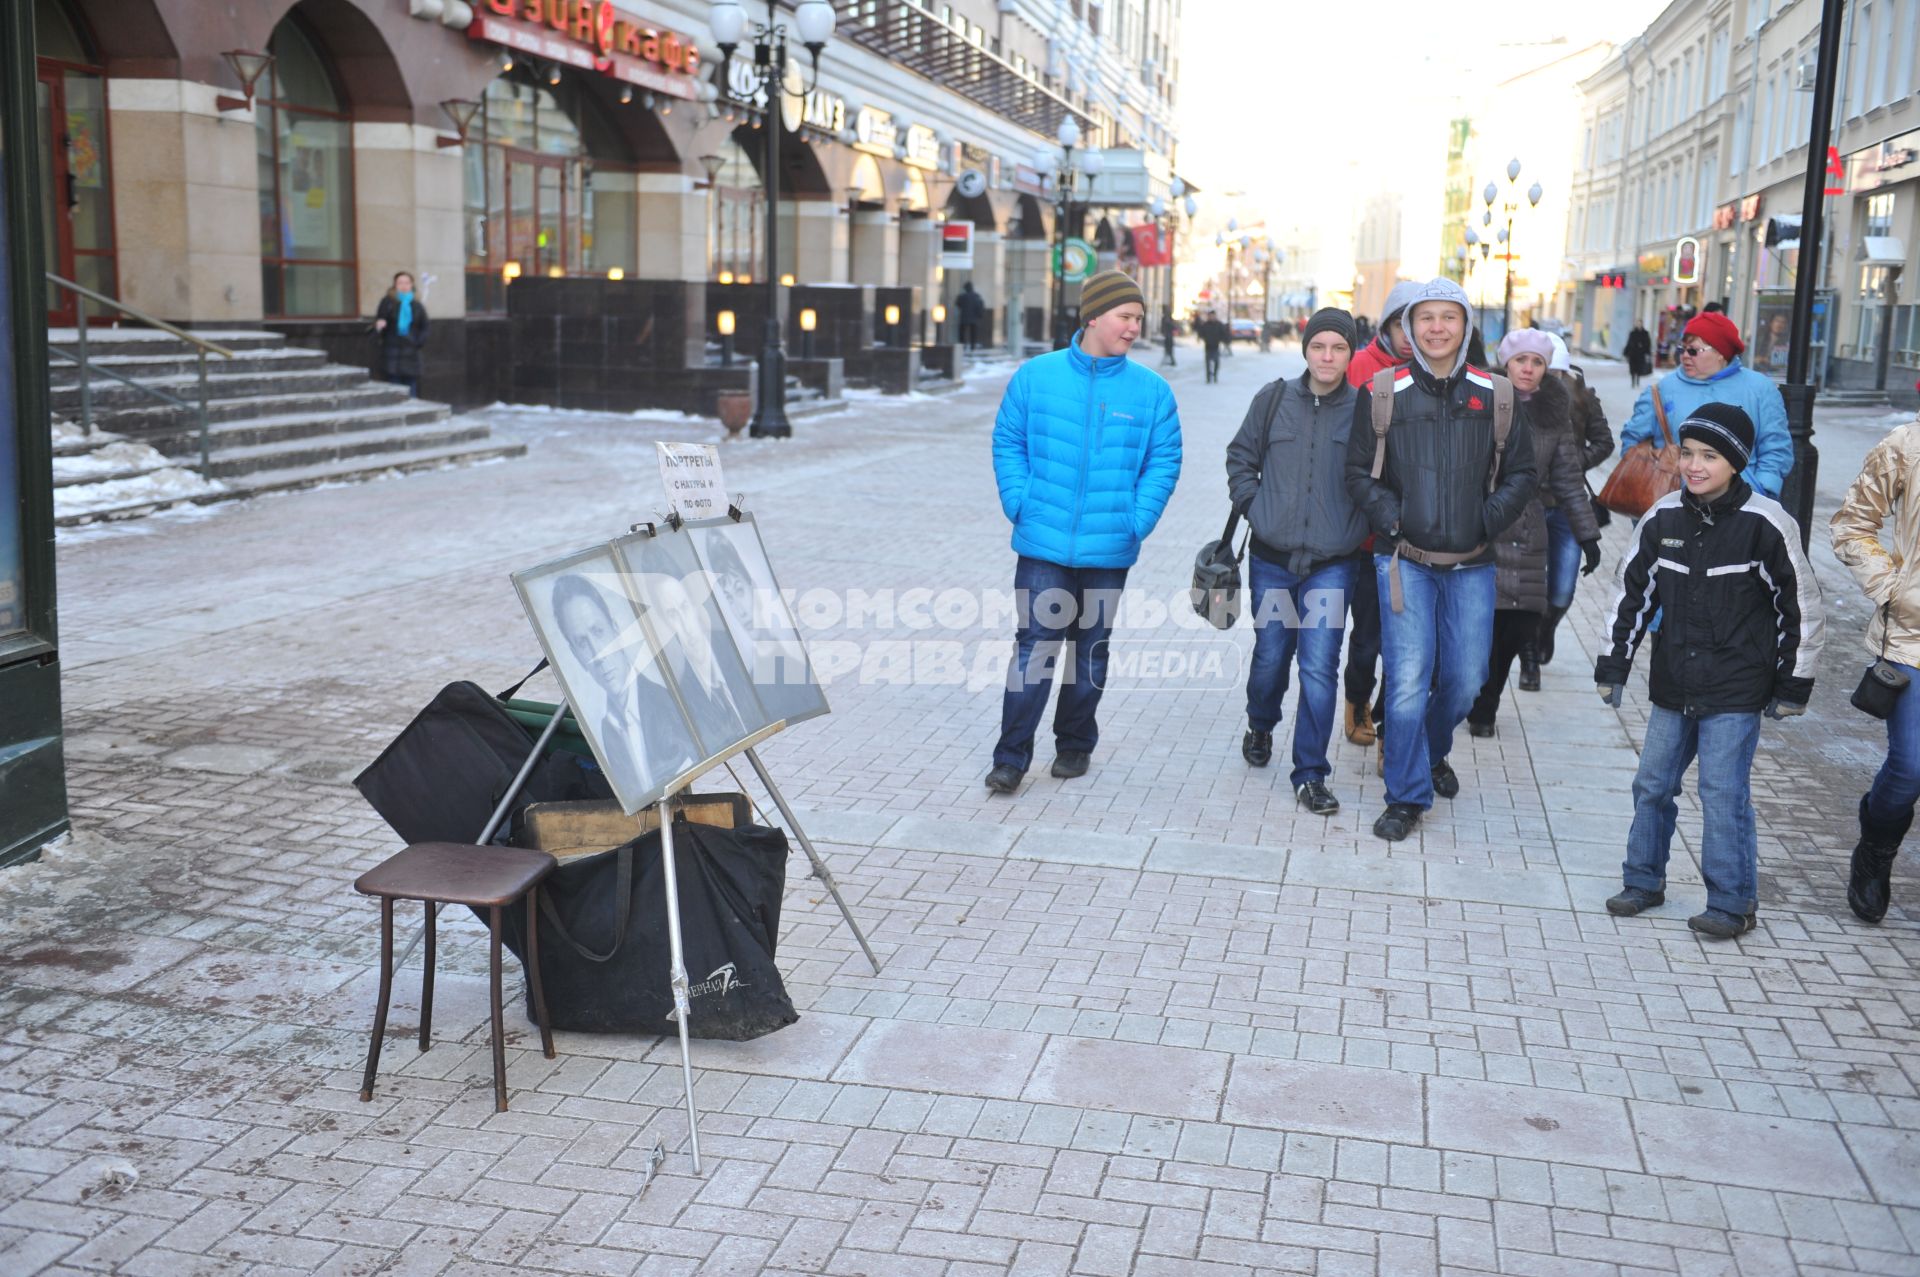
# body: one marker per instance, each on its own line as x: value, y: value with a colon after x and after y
x: 1152, y: 244
x: 956, y: 245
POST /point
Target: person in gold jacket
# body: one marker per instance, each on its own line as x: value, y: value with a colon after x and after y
x: 1884, y: 493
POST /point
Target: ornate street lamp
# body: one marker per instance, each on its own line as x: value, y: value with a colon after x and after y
x: 1066, y: 177
x: 813, y: 24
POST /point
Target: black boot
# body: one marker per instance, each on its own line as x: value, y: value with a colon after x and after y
x: 1543, y: 637
x: 1529, y: 668
x: 1870, y: 880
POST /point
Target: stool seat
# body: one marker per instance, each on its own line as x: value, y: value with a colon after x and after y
x: 457, y: 873
x: 483, y: 878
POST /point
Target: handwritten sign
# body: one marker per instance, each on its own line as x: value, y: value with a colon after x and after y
x: 690, y: 473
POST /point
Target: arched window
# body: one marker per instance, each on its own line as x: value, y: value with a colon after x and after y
x: 76, y: 179
x: 549, y: 188
x: 304, y: 142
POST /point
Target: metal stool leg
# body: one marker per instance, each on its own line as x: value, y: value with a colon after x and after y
x: 499, y: 1046
x: 533, y: 970
x: 386, y: 991
x: 426, y: 982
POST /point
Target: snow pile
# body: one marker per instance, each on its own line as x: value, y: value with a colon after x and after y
x: 122, y: 458
x: 169, y: 484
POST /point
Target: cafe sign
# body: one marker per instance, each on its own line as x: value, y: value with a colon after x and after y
x: 593, y: 37
x: 923, y: 147
x: 1894, y: 160
x: 875, y: 132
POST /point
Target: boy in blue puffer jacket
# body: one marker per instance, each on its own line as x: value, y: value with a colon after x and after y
x: 1086, y: 450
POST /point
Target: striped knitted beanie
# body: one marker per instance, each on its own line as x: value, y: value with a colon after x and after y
x: 1106, y: 290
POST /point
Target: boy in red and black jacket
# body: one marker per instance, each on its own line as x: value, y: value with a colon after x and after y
x: 1740, y: 636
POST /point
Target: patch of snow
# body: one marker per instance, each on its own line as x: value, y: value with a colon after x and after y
x: 868, y: 392
x: 112, y: 458
x: 170, y: 484
x: 638, y: 414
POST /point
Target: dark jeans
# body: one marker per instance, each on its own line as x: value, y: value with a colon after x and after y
x: 1729, y: 842
x: 411, y: 383
x: 1895, y: 789
x: 1363, y: 643
x: 1213, y: 363
x: 1057, y: 603
x: 1436, y: 663
x: 1308, y: 623
x: 1512, y: 630
x: 1563, y: 560
x: 969, y: 334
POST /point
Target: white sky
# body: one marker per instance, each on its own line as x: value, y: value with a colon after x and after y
x: 1309, y: 109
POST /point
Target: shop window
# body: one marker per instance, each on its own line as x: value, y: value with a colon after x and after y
x: 1879, y: 219
x: 738, y: 214
x: 304, y: 149
x: 548, y: 189
x: 76, y: 178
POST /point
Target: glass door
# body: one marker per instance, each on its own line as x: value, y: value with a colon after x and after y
x: 76, y: 200
x: 537, y: 208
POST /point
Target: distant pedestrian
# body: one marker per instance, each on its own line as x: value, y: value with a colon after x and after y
x: 1740, y: 635
x: 1213, y: 335
x: 1166, y: 338
x: 970, y: 306
x: 1639, y: 353
x: 400, y: 328
x: 1086, y: 452
x: 1286, y: 473
x: 1523, y: 554
x: 1436, y: 488
x: 1710, y: 372
x: 1888, y: 488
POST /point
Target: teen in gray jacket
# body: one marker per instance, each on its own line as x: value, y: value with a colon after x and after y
x: 1285, y: 475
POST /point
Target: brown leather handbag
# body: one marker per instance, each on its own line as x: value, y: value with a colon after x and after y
x: 1646, y: 473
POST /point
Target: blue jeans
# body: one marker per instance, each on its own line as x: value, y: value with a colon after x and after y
x: 1895, y: 789
x: 1563, y: 560
x: 1304, y: 615
x: 1056, y: 603
x: 1447, y: 628
x: 1729, y: 847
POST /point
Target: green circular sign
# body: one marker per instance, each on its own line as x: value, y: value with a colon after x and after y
x: 1082, y: 262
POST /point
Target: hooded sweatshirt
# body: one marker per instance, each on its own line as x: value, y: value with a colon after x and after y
x: 1379, y: 353
x: 1441, y: 290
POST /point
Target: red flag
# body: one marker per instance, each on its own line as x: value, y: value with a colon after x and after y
x: 1150, y: 246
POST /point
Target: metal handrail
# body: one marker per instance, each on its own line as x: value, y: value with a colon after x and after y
x: 202, y: 348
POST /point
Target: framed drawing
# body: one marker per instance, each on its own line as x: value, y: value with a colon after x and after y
x: 742, y: 582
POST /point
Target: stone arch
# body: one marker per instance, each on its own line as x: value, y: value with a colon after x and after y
x: 131, y: 38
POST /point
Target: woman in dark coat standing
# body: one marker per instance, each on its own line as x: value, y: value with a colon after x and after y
x: 1639, y: 353
x: 1520, y: 553
x: 400, y: 326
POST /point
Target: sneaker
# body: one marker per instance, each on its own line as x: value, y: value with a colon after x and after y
x: 1070, y: 764
x: 1397, y: 821
x: 1316, y: 798
x: 1004, y: 779
x: 1445, y: 783
x: 1632, y: 900
x: 1718, y: 924
x: 1359, y: 725
x: 1257, y: 747
x: 1482, y: 730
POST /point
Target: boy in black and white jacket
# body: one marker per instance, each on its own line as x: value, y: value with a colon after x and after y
x: 1740, y: 635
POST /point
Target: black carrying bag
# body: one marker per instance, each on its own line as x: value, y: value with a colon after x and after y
x: 604, y: 957
x: 448, y: 769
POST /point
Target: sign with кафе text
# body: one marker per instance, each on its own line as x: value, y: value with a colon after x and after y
x: 593, y: 37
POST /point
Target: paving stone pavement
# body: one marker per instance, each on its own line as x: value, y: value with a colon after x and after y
x: 1155, y: 1021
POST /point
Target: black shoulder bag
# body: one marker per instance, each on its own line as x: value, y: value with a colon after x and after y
x: 1216, y: 569
x: 1882, y: 685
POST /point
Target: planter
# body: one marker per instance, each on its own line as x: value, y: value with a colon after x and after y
x: 735, y: 408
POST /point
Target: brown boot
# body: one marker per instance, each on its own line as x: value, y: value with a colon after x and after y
x: 1359, y: 725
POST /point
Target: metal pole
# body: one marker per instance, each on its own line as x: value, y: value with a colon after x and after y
x: 1058, y: 287
x: 86, y: 385
x: 206, y: 460
x: 681, y: 1003
x: 1506, y: 307
x: 1797, y: 493
x: 820, y: 869
x: 770, y: 415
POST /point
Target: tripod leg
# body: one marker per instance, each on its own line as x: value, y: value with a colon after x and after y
x: 820, y: 869
x: 681, y: 1004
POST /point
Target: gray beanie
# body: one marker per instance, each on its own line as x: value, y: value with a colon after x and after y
x: 1329, y: 319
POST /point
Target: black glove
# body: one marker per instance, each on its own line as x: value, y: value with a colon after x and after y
x: 1590, y: 551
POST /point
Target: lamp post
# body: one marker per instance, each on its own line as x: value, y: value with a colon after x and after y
x: 813, y: 23
x: 1066, y: 177
x: 1511, y: 206
x: 1168, y: 214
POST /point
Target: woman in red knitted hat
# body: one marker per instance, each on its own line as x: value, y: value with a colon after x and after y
x: 1711, y: 372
